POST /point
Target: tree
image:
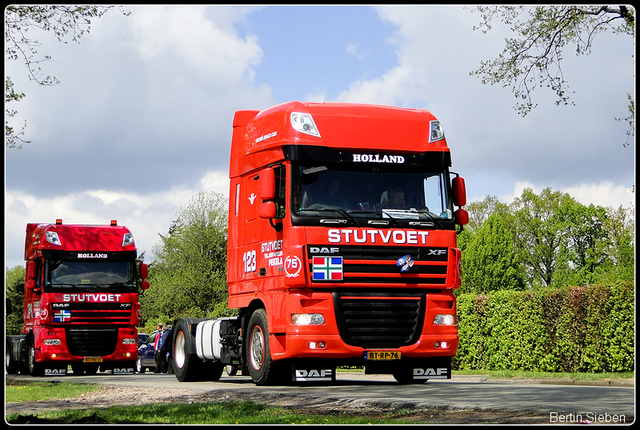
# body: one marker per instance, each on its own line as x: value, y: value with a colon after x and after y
x: 65, y: 21
x: 14, y: 287
x: 539, y: 231
x: 188, y: 273
x: 533, y: 58
x: 561, y: 241
x: 490, y: 262
x: 619, y: 246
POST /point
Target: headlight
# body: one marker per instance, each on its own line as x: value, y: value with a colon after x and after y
x: 127, y: 239
x: 52, y: 237
x: 444, y: 319
x: 307, y: 319
x: 436, y: 132
x: 303, y: 122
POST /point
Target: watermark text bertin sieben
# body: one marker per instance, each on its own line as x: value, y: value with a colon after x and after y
x: 587, y: 417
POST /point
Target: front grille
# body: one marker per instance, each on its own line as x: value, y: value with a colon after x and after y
x: 92, y: 313
x: 379, y: 320
x: 371, y: 266
x: 91, y: 341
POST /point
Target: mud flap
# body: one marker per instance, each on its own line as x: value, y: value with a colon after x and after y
x: 123, y: 370
x: 309, y: 371
x: 439, y: 368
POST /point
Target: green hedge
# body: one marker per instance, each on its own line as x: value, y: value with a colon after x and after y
x: 577, y: 329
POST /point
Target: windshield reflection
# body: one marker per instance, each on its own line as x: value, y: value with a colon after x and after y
x: 397, y: 195
x: 91, y: 275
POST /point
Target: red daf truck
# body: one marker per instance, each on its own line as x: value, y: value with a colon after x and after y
x: 80, y: 301
x: 341, y: 248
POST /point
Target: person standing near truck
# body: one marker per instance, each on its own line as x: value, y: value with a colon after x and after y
x: 157, y: 345
x: 165, y: 349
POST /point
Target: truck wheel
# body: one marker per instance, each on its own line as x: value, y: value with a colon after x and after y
x: 261, y: 367
x: 91, y: 369
x: 35, y: 369
x: 405, y: 376
x: 13, y: 367
x: 139, y: 367
x: 185, y: 365
x: 211, y: 371
x: 78, y: 369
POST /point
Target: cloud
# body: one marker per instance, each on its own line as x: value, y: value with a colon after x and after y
x: 183, y: 39
x: 141, y: 120
x: 605, y: 194
x: 563, y: 147
x: 146, y: 215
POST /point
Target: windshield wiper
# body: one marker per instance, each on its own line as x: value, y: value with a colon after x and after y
x: 431, y: 217
x: 63, y: 285
x: 342, y: 212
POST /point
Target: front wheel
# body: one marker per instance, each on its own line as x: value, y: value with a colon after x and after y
x: 35, y: 369
x: 262, y: 368
x: 186, y: 366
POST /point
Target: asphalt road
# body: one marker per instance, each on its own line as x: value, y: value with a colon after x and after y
x: 562, y: 402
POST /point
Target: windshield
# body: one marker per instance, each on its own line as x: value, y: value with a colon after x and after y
x: 320, y: 190
x: 111, y: 276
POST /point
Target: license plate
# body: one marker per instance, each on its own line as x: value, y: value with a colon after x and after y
x: 382, y: 355
x: 92, y: 360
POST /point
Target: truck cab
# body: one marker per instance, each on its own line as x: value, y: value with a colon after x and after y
x: 81, y: 303
x: 341, y: 244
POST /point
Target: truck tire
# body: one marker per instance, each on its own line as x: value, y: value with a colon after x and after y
x: 35, y: 369
x: 262, y: 369
x: 211, y: 371
x: 186, y: 366
x: 404, y: 375
x: 12, y: 366
x: 139, y: 367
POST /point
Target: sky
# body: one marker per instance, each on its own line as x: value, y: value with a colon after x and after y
x: 141, y: 120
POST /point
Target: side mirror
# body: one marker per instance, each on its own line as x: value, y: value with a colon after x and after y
x: 31, y: 270
x: 459, y: 191
x: 32, y: 275
x: 267, y: 184
x: 144, y: 274
x: 267, y: 210
x: 462, y: 217
x: 144, y: 271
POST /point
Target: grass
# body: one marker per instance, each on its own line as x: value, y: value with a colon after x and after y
x: 228, y: 412
x: 509, y: 374
x: 31, y: 391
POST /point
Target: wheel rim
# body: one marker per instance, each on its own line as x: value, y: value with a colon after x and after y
x: 32, y: 358
x: 180, y: 354
x: 257, y: 348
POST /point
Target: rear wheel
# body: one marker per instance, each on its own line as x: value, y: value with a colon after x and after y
x: 139, y: 367
x: 262, y: 368
x: 12, y: 366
